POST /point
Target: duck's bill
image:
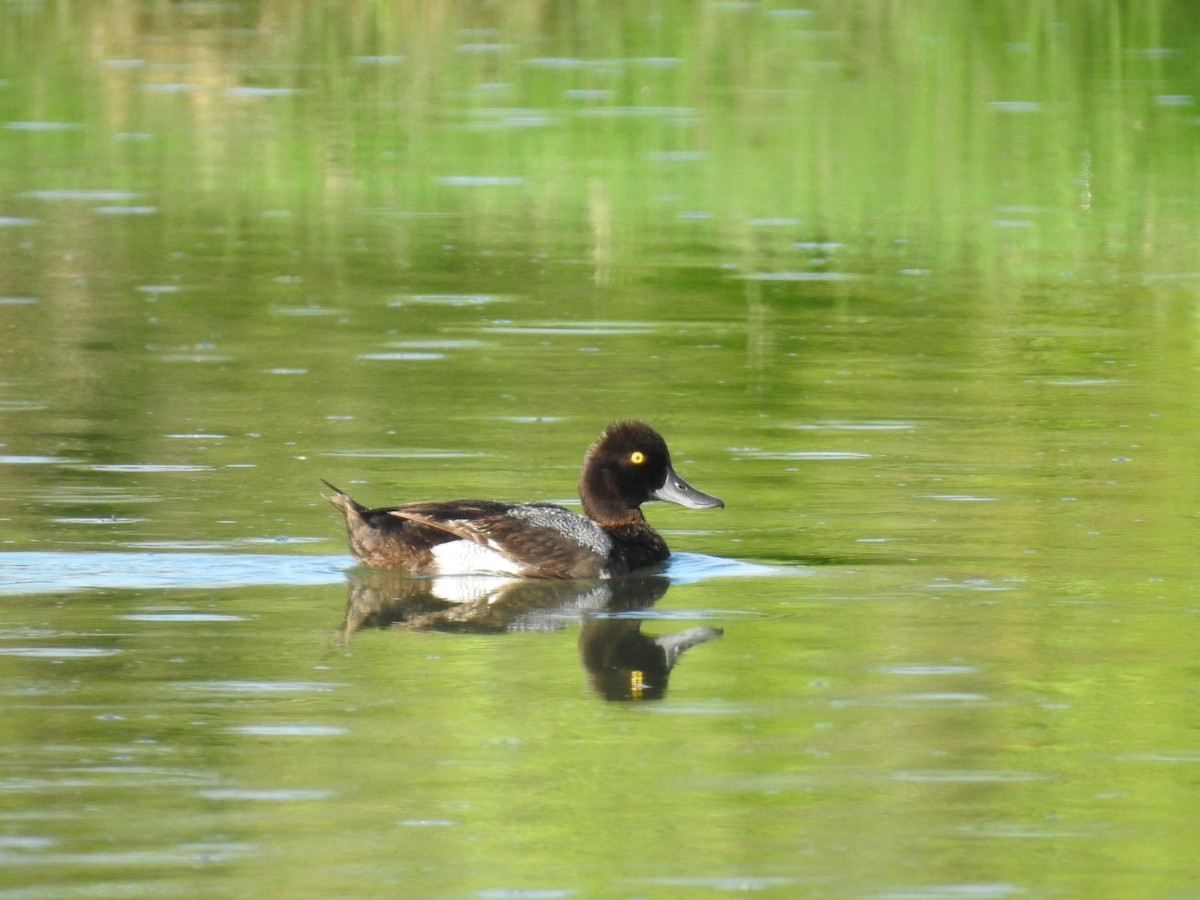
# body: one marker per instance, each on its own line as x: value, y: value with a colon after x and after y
x: 676, y: 490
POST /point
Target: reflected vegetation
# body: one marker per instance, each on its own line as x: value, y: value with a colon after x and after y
x: 621, y: 662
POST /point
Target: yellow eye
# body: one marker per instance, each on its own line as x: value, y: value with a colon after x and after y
x: 637, y: 457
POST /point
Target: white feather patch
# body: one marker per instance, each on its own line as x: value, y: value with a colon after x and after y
x: 469, y: 558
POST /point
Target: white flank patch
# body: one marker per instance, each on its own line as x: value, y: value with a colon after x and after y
x: 469, y: 558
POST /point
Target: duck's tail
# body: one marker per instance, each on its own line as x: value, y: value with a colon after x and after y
x: 341, y: 500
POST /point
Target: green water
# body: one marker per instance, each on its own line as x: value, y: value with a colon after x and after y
x: 911, y: 286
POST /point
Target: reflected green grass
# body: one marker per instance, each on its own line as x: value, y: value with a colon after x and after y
x: 1014, y: 141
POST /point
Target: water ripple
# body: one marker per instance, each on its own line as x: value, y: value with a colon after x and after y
x: 57, y: 652
x: 274, y: 795
x: 42, y: 572
x: 258, y: 687
x: 288, y: 730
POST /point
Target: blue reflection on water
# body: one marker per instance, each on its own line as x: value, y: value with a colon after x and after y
x: 49, y: 571
x: 40, y: 572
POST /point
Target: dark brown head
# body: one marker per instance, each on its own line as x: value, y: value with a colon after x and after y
x: 627, y: 466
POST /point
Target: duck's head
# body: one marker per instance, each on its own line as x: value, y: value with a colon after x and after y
x: 628, y: 465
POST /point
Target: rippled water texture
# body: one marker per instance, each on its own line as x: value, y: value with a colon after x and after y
x: 911, y: 287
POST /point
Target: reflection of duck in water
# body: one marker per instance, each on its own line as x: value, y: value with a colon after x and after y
x: 622, y: 663
x: 486, y: 604
x: 627, y: 466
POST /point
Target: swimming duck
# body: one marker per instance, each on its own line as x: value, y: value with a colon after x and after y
x: 628, y: 465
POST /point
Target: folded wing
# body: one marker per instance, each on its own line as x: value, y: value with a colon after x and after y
x: 543, y: 540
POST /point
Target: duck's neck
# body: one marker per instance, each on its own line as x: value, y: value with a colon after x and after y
x: 603, y: 503
x: 637, y: 545
x: 612, y: 515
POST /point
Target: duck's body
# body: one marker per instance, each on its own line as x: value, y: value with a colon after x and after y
x: 627, y: 466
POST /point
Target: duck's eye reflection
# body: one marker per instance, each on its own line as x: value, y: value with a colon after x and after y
x: 637, y: 457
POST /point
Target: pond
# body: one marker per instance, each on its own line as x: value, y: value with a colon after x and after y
x: 912, y: 288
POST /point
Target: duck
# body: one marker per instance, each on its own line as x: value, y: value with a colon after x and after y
x: 627, y: 466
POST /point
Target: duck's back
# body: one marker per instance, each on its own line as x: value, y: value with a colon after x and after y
x: 541, y: 540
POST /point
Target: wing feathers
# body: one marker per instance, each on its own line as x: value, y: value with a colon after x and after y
x: 543, y: 539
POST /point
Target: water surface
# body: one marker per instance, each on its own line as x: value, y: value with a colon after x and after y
x: 913, y: 289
